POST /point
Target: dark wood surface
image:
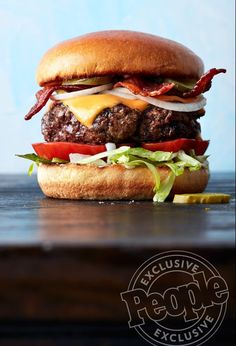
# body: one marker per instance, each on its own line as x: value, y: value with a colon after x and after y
x: 30, y: 219
x: 64, y: 263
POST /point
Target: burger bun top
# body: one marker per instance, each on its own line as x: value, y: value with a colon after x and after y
x: 118, y: 52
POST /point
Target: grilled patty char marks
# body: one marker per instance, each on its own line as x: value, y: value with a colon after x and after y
x: 120, y: 124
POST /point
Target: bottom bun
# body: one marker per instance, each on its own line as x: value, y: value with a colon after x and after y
x: 115, y: 182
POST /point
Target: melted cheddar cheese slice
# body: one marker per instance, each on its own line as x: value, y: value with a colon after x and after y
x: 86, y: 108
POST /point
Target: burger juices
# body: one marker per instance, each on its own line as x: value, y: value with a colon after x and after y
x: 123, y: 118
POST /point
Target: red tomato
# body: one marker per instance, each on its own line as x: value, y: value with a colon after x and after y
x: 185, y: 144
x: 62, y: 150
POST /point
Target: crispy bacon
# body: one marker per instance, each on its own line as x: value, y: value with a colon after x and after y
x: 42, y: 97
x: 44, y: 94
x: 138, y: 85
x: 204, y: 83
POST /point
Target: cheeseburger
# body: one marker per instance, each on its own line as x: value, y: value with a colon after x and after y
x: 122, y: 118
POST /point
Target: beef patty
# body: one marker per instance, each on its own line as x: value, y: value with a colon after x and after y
x: 120, y: 124
x: 158, y: 125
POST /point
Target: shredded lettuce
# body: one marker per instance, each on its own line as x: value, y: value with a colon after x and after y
x: 152, y: 169
x: 163, y: 192
x: 200, y: 158
x: 157, y: 156
x: 133, y: 157
x: 31, y: 169
x: 189, y: 161
x: 177, y: 168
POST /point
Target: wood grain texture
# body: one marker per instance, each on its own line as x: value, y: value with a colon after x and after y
x: 66, y: 262
x: 28, y: 218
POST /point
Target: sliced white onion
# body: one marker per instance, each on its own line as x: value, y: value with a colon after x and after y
x: 125, y: 93
x: 176, y: 106
x: 121, y: 93
x: 110, y: 146
x: 89, y: 91
x: 173, y: 106
x: 123, y: 90
x: 75, y: 158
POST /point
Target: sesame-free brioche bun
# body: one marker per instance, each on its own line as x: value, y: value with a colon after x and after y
x: 118, y: 52
x: 115, y: 182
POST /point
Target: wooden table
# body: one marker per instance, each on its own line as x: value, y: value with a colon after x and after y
x: 64, y: 263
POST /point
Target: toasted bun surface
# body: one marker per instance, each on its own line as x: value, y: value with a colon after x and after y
x: 115, y: 182
x: 118, y: 52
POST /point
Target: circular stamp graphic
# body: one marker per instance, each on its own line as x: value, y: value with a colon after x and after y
x: 176, y: 298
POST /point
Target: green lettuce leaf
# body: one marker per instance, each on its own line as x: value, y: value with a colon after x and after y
x: 35, y: 158
x: 133, y: 157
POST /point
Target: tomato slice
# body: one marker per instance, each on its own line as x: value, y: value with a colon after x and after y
x: 62, y: 150
x: 185, y: 144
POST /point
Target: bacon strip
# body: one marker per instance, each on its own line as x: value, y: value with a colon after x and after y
x: 138, y: 85
x: 44, y: 94
x: 204, y: 83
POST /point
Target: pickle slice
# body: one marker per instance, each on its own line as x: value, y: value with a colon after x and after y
x: 89, y: 81
x: 203, y: 198
x: 181, y: 86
